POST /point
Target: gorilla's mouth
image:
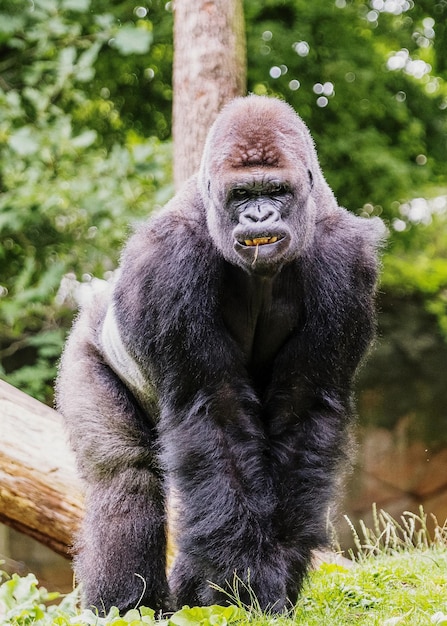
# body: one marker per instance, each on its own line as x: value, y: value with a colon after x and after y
x: 261, y: 250
x: 260, y: 241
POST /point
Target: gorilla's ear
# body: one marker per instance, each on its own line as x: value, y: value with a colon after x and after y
x: 311, y: 179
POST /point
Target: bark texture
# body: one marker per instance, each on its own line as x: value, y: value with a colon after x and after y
x: 40, y: 494
x: 209, y: 70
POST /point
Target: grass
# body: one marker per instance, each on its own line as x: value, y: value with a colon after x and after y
x: 398, y: 577
x: 409, y: 588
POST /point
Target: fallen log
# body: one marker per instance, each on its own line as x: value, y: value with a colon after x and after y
x: 40, y: 493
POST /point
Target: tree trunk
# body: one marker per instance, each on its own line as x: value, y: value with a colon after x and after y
x: 40, y: 494
x: 209, y: 70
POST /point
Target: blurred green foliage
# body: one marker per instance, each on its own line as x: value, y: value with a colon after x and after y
x: 85, y: 116
x: 73, y: 175
x: 369, y: 124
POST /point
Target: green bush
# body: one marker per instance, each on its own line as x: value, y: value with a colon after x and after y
x: 66, y: 196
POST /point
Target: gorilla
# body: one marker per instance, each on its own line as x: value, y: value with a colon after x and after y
x: 220, y: 368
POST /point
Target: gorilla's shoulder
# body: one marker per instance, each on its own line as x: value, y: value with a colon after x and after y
x: 172, y: 238
x: 183, y: 212
x: 350, y: 232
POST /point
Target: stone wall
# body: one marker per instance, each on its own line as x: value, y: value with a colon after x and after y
x: 398, y: 473
x: 402, y: 408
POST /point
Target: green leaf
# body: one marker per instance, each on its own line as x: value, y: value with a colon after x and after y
x: 81, y: 6
x: 146, y: 612
x: 85, y: 139
x: 10, y: 24
x: 132, y: 40
x: 23, y: 142
x: 214, y: 615
x: 84, y: 67
x: 67, y: 59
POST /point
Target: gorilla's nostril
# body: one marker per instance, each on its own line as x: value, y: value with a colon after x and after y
x: 259, y: 213
x: 267, y: 216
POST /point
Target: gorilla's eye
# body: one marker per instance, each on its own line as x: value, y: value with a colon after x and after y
x: 240, y: 194
x: 277, y: 189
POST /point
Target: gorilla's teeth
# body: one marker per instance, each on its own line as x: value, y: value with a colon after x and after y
x: 260, y: 241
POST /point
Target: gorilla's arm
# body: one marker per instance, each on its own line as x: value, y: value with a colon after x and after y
x: 218, y: 463
x: 121, y: 549
x: 309, y: 408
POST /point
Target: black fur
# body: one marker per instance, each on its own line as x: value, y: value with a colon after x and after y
x: 247, y: 355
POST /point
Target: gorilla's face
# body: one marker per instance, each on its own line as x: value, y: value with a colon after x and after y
x: 257, y: 181
x: 261, y: 205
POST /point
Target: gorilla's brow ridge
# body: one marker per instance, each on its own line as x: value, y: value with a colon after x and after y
x: 260, y: 153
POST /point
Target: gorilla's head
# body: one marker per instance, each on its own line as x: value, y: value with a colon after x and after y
x: 262, y: 185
